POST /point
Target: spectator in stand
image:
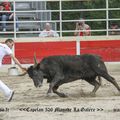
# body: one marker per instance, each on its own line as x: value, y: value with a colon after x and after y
x: 48, y: 32
x: 1, y: 9
x: 7, y: 16
x: 82, y: 29
x: 114, y: 30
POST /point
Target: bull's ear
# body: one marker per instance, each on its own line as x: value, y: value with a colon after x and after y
x: 35, y: 60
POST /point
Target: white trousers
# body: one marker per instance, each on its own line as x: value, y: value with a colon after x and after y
x: 5, y: 89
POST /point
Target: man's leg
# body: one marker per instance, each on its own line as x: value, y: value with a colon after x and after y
x: 4, y: 19
x: 17, y: 24
x: 7, y: 91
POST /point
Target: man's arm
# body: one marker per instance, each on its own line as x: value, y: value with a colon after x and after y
x: 17, y: 62
x: 11, y: 16
x: 43, y: 34
x: 76, y: 33
x: 87, y: 30
x: 54, y: 34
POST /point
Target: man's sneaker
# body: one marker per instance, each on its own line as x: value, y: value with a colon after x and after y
x: 4, y: 29
x: 10, y: 96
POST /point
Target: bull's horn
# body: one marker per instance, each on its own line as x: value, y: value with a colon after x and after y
x: 23, y: 74
x: 35, y: 60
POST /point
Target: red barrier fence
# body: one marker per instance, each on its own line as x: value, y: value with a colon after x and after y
x: 24, y: 51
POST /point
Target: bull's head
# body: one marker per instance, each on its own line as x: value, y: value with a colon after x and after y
x: 35, y: 73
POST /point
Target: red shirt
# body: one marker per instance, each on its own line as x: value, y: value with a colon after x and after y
x: 81, y: 33
x: 7, y: 6
x: 87, y: 31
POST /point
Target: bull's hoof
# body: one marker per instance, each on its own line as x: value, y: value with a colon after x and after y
x: 50, y: 95
x: 92, y: 94
x: 102, y: 85
x: 63, y: 95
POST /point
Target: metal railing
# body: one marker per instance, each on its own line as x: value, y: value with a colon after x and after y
x: 60, y: 22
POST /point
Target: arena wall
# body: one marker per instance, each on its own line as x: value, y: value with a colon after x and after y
x: 106, y: 46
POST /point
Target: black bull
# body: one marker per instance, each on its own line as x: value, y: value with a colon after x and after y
x: 63, y: 69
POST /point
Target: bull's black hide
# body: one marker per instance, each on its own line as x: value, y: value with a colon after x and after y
x: 63, y: 69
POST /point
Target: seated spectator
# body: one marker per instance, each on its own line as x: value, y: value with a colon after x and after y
x: 48, y: 32
x: 114, y: 31
x: 82, y: 29
x: 7, y: 15
x: 1, y: 9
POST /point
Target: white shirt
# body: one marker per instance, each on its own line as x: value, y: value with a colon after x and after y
x: 4, y: 50
x: 49, y: 33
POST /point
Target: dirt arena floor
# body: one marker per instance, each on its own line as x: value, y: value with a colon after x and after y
x: 30, y: 103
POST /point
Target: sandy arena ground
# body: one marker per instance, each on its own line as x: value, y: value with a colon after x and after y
x: 30, y: 103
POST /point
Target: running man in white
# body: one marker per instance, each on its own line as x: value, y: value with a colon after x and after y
x: 5, y: 49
